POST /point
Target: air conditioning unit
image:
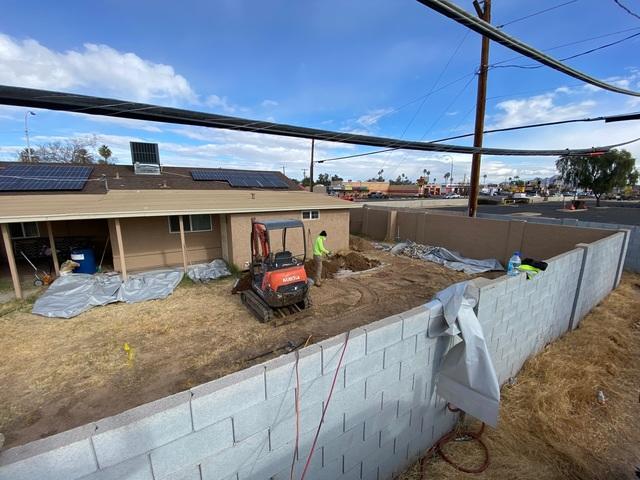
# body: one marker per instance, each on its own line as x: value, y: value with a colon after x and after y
x: 146, y: 168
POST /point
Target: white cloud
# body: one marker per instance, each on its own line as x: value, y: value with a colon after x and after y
x: 214, y: 101
x: 269, y: 103
x: 537, y: 109
x: 27, y: 63
x: 372, y: 117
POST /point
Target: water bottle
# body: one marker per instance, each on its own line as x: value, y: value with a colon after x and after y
x: 514, y: 263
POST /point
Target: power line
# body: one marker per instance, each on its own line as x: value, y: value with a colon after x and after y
x: 92, y: 105
x: 595, y: 49
x: 536, y: 13
x: 459, y: 15
x: 606, y: 119
x: 576, y: 42
x: 627, y: 9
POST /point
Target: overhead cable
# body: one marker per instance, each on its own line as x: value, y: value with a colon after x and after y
x: 535, y: 14
x: 69, y: 102
x: 626, y: 9
x: 606, y: 119
x: 461, y: 16
x: 571, y: 57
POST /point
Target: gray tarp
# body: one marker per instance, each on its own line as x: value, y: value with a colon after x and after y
x: 73, y: 294
x: 205, y: 272
x: 467, y: 378
x: 448, y: 258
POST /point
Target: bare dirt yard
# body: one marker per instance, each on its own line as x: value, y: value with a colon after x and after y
x: 57, y: 374
x: 552, y: 425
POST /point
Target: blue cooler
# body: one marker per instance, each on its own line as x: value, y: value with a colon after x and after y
x: 86, y: 259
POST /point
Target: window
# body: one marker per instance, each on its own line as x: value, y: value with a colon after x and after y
x: 192, y: 223
x: 24, y: 230
x: 310, y: 214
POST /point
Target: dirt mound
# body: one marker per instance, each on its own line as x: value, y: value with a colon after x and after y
x: 243, y: 283
x: 353, y: 261
x: 359, y: 244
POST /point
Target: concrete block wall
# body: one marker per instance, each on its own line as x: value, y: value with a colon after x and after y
x: 383, y: 414
x: 600, y: 272
x: 632, y: 257
x: 519, y: 316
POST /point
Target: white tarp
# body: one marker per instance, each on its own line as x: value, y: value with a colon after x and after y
x: 446, y: 257
x: 205, y: 272
x: 467, y: 378
x: 70, y: 295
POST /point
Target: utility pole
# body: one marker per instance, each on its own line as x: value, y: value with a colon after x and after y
x: 284, y: 172
x: 26, y: 132
x: 481, y: 103
x: 313, y: 146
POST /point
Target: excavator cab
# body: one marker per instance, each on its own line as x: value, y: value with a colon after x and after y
x: 278, y: 278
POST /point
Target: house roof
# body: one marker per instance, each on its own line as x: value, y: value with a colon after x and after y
x: 155, y: 203
x: 122, y: 177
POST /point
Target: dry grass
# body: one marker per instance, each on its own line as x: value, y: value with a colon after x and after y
x: 551, y: 425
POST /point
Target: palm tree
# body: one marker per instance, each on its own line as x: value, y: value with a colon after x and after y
x: 485, y: 179
x: 428, y: 173
x: 446, y: 176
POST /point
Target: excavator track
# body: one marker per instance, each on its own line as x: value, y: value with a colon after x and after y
x: 265, y: 313
x: 258, y: 307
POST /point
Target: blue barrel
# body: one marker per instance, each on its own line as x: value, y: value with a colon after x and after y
x: 86, y: 259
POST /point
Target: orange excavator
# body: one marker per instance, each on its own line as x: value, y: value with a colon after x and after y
x: 279, y: 284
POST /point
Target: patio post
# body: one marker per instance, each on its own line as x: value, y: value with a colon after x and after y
x: 8, y: 246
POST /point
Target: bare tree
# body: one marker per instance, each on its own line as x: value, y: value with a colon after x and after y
x: 78, y: 150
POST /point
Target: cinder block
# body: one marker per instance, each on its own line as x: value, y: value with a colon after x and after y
x: 192, y: 472
x: 142, y: 429
x: 400, y: 351
x: 218, y: 399
x: 193, y: 448
x: 229, y: 461
x: 415, y: 321
x: 284, y: 432
x: 269, y: 464
x: 64, y: 456
x: 378, y: 381
x: 332, y: 349
x: 138, y: 468
x: 374, y: 424
x: 281, y: 372
x: 363, y: 367
x: 335, y: 447
x: 367, y: 449
x: 395, y: 428
x: 263, y: 415
x: 383, y: 333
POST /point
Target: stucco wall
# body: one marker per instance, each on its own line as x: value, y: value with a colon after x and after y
x: 335, y: 222
x: 148, y: 244
x: 475, y: 237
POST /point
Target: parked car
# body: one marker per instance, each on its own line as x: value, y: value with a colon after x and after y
x: 378, y: 195
x: 452, y: 195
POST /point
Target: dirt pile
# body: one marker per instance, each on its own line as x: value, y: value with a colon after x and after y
x: 354, y: 261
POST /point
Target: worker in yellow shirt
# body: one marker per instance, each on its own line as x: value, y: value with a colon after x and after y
x: 318, y: 251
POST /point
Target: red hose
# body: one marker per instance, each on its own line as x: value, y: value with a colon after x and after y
x: 297, y: 401
x: 452, y: 435
x: 324, y: 410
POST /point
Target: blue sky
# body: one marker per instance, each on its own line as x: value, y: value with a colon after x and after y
x: 340, y: 65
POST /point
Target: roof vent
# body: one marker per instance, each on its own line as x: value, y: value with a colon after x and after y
x: 145, y: 158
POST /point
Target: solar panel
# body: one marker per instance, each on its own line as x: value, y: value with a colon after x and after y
x: 142, y: 152
x: 241, y: 179
x: 32, y: 177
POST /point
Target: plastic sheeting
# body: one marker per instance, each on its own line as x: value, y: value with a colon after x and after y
x: 446, y: 257
x: 467, y: 378
x: 73, y: 294
x: 206, y: 272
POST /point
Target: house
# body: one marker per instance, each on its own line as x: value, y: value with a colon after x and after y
x: 143, y: 216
